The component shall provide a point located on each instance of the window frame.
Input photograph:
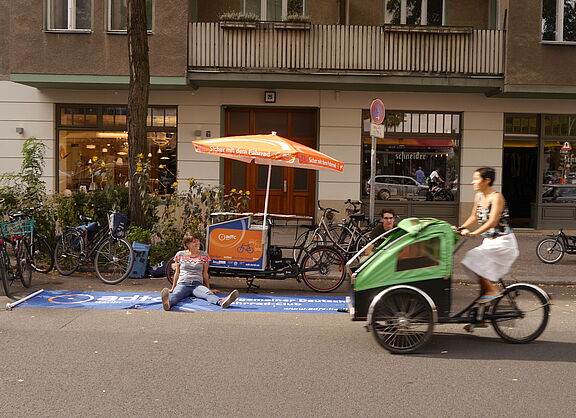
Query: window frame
(559, 26)
(423, 13)
(111, 31)
(264, 9)
(71, 18)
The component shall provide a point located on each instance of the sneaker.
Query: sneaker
(227, 301)
(165, 294)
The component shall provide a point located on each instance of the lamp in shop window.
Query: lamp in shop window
(119, 160)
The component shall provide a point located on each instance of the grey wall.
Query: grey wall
(32, 50)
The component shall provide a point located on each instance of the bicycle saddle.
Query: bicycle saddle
(18, 216)
(86, 218)
(357, 216)
(310, 227)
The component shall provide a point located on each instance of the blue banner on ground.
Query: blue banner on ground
(152, 301)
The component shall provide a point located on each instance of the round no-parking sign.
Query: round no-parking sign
(377, 111)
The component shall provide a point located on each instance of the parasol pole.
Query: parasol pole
(267, 193)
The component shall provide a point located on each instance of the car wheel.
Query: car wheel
(383, 195)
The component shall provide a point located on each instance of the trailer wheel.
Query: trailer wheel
(401, 320)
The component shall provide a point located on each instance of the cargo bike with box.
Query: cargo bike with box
(403, 289)
(241, 247)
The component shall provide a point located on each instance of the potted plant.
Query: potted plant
(238, 20)
(294, 22)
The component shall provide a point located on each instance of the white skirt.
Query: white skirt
(493, 259)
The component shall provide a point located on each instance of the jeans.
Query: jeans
(187, 289)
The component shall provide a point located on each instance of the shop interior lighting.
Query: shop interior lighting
(104, 149)
(91, 146)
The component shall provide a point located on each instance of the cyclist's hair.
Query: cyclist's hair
(387, 210)
(487, 173)
(189, 237)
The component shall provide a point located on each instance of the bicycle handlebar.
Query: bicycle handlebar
(327, 209)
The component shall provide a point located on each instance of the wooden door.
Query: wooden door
(292, 190)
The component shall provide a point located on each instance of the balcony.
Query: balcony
(269, 48)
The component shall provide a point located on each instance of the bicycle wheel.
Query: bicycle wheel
(5, 276)
(170, 270)
(23, 262)
(308, 238)
(521, 315)
(550, 250)
(323, 269)
(67, 254)
(42, 255)
(114, 260)
(361, 241)
(401, 321)
(342, 238)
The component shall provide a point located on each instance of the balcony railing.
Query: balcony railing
(267, 47)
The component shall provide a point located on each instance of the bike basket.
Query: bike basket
(24, 227)
(118, 224)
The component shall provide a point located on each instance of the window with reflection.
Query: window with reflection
(69, 15)
(559, 182)
(414, 145)
(559, 20)
(274, 10)
(93, 147)
(118, 15)
(413, 12)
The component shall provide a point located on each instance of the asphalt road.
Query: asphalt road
(74, 362)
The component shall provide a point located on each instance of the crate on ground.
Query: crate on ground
(141, 252)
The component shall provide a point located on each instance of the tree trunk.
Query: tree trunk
(137, 102)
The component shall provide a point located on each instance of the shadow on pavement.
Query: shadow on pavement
(478, 347)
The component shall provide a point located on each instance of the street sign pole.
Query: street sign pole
(372, 177)
(377, 116)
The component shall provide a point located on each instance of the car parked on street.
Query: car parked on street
(389, 186)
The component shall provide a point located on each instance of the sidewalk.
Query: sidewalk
(526, 269)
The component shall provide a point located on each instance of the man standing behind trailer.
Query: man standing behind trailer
(387, 221)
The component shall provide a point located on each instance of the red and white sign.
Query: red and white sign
(377, 111)
(567, 146)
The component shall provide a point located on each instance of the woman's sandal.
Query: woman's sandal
(470, 327)
(487, 299)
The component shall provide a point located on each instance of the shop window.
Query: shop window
(413, 12)
(72, 15)
(559, 20)
(93, 147)
(521, 125)
(415, 143)
(559, 183)
(274, 10)
(419, 255)
(118, 15)
(559, 125)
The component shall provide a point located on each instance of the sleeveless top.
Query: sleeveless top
(483, 214)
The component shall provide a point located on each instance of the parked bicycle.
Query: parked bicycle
(40, 251)
(550, 250)
(349, 237)
(15, 262)
(112, 255)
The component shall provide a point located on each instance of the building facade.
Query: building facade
(488, 83)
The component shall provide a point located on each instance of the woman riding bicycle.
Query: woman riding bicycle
(494, 257)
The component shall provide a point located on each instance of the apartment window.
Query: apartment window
(118, 15)
(559, 20)
(413, 12)
(69, 15)
(93, 147)
(274, 10)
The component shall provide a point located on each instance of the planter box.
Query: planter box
(234, 24)
(292, 25)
